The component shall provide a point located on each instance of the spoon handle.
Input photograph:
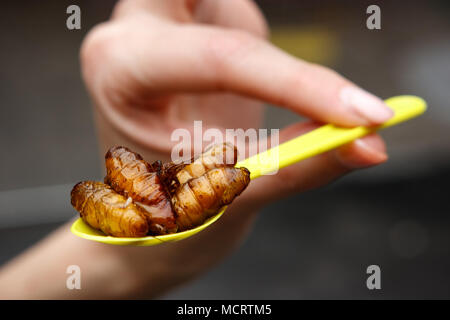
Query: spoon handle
(326, 138)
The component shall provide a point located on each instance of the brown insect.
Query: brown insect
(167, 197)
(130, 175)
(199, 198)
(104, 209)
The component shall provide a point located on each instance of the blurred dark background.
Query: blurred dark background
(314, 245)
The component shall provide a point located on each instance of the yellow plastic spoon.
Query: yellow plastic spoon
(308, 145)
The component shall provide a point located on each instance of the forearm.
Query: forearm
(40, 272)
(114, 272)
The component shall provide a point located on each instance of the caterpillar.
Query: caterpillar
(104, 209)
(130, 175)
(199, 198)
(219, 155)
(168, 197)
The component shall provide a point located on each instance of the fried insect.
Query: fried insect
(217, 156)
(199, 198)
(104, 209)
(138, 198)
(130, 175)
(199, 189)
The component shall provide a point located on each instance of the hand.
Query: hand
(159, 65)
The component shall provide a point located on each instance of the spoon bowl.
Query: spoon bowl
(305, 146)
(83, 230)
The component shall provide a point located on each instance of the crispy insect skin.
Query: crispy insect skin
(199, 189)
(104, 209)
(199, 198)
(166, 198)
(217, 156)
(130, 175)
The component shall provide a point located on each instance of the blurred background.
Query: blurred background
(314, 245)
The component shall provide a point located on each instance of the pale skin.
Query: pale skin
(160, 65)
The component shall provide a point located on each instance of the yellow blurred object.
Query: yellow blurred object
(326, 138)
(81, 229)
(308, 145)
(313, 44)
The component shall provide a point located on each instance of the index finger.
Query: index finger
(205, 58)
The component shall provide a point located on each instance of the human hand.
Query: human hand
(160, 65)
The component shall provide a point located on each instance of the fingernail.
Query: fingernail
(362, 153)
(376, 154)
(366, 105)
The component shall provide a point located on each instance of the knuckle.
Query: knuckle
(121, 8)
(259, 26)
(296, 79)
(96, 48)
(254, 21)
(313, 77)
(224, 49)
(293, 84)
(326, 72)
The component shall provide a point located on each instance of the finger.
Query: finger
(363, 152)
(239, 62)
(238, 14)
(194, 58)
(173, 10)
(314, 172)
